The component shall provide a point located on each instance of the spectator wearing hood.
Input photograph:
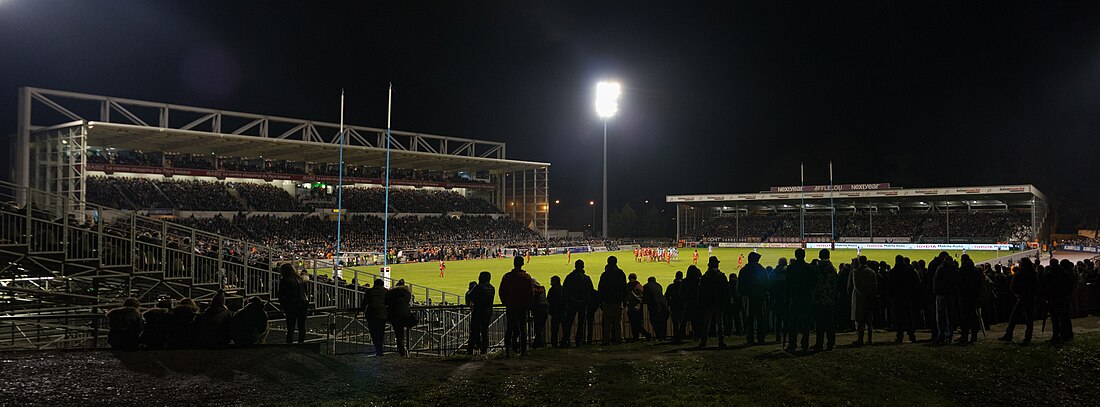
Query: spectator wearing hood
(250, 323)
(125, 325)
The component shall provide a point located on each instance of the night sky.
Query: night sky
(721, 98)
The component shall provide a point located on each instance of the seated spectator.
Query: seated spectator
(250, 323)
(126, 326)
(158, 325)
(212, 327)
(182, 332)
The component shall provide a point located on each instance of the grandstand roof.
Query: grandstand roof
(1011, 195)
(154, 126)
(198, 142)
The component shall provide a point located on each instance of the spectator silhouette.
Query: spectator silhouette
(658, 307)
(213, 325)
(556, 297)
(182, 332)
(250, 323)
(125, 325)
(1025, 286)
(753, 285)
(295, 302)
(398, 311)
(158, 325)
(824, 302)
(714, 294)
(862, 286)
(517, 295)
(675, 301)
(577, 292)
(612, 290)
(481, 304)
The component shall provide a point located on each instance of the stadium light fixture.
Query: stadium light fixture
(557, 201)
(607, 98)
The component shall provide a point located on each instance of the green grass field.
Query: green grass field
(460, 273)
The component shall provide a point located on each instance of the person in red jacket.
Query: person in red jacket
(517, 295)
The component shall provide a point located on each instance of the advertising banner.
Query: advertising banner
(760, 245)
(911, 246)
(222, 174)
(826, 188)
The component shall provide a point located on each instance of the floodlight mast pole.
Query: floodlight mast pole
(386, 218)
(340, 191)
(603, 223)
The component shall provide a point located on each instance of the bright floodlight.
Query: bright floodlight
(607, 98)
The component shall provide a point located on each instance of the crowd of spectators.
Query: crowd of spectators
(261, 165)
(268, 198)
(195, 195)
(315, 237)
(998, 226)
(186, 324)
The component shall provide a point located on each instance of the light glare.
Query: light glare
(607, 98)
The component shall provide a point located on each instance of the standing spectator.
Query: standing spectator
(824, 301)
(541, 312)
(713, 297)
(481, 312)
(577, 293)
(126, 325)
(1025, 285)
(212, 327)
(295, 302)
(734, 315)
(556, 298)
(800, 284)
(753, 285)
(398, 311)
(593, 306)
(945, 284)
(1057, 289)
(658, 307)
(633, 303)
(905, 286)
(969, 288)
(779, 301)
(250, 323)
(676, 305)
(158, 325)
(182, 332)
(517, 295)
(862, 286)
(612, 290)
(693, 312)
(374, 309)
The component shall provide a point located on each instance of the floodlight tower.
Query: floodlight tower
(607, 105)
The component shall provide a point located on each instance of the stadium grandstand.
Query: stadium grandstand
(116, 198)
(865, 213)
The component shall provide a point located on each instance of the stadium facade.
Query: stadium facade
(815, 210)
(56, 129)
